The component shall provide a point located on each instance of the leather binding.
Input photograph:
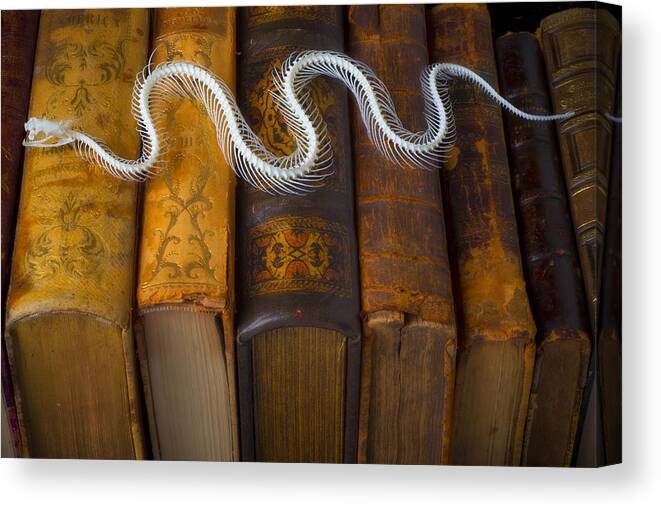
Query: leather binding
(297, 261)
(581, 50)
(550, 257)
(609, 345)
(187, 242)
(69, 335)
(409, 332)
(19, 37)
(495, 327)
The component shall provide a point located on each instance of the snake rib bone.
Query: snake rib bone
(310, 162)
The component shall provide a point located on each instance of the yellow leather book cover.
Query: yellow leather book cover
(76, 228)
(186, 259)
(75, 236)
(186, 246)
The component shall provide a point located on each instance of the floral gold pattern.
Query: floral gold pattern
(186, 245)
(269, 125)
(299, 254)
(69, 246)
(76, 227)
(269, 14)
(185, 204)
(76, 67)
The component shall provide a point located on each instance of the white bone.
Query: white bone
(308, 165)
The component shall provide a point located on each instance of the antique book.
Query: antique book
(9, 448)
(69, 333)
(186, 261)
(495, 328)
(409, 333)
(609, 342)
(590, 450)
(551, 261)
(19, 37)
(298, 324)
(581, 51)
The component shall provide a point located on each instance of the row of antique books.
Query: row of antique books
(468, 314)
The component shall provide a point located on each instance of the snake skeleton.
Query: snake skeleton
(309, 164)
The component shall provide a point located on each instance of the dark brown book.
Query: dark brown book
(550, 258)
(298, 325)
(409, 333)
(19, 36)
(609, 342)
(581, 51)
(495, 327)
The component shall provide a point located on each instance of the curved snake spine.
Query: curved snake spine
(309, 164)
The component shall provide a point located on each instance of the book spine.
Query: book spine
(495, 327)
(581, 49)
(297, 255)
(19, 37)
(75, 236)
(404, 268)
(551, 260)
(610, 326)
(187, 241)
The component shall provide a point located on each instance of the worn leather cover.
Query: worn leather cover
(75, 237)
(297, 255)
(187, 241)
(19, 37)
(495, 327)
(187, 238)
(550, 257)
(609, 344)
(409, 337)
(581, 50)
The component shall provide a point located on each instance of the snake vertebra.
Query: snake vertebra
(309, 164)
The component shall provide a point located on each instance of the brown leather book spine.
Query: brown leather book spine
(550, 257)
(494, 324)
(297, 255)
(409, 337)
(609, 344)
(19, 37)
(581, 50)
(186, 257)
